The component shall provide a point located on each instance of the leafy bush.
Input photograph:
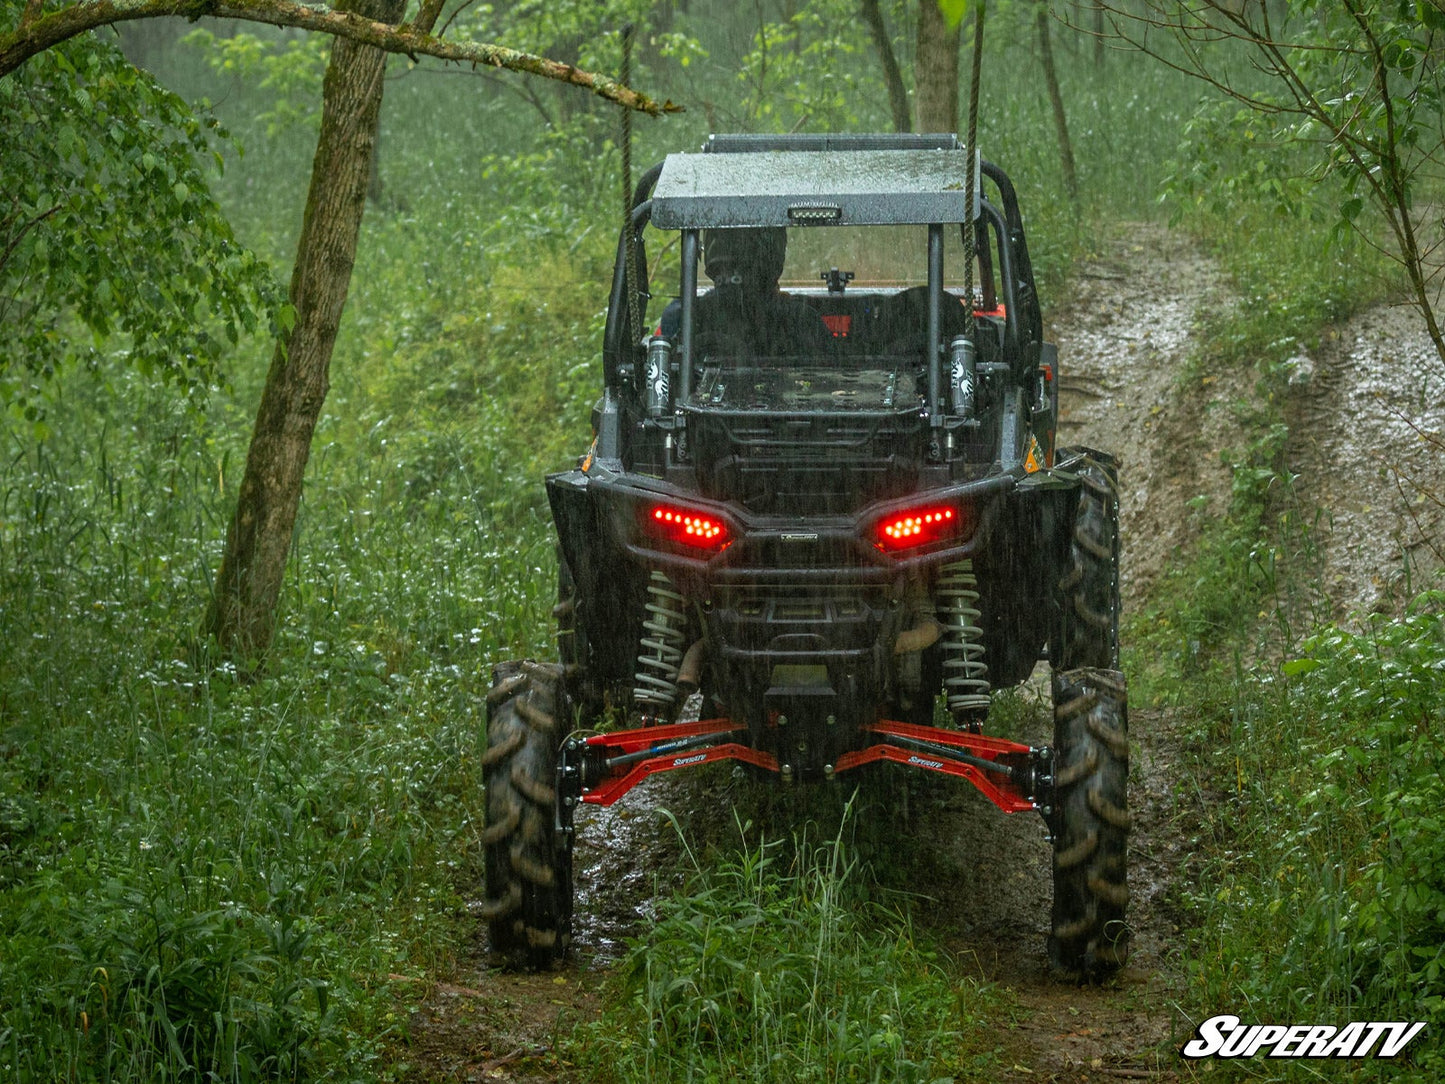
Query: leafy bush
(111, 242)
(1378, 694)
(1326, 893)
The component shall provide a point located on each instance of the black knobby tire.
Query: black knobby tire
(573, 647)
(1089, 588)
(1090, 822)
(528, 904)
(571, 644)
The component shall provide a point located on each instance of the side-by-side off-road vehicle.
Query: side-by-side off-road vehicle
(837, 535)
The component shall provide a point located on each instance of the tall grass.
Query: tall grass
(772, 965)
(215, 878)
(1326, 901)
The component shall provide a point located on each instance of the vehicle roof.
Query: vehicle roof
(846, 182)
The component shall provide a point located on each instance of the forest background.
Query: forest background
(214, 872)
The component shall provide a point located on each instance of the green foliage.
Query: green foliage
(1328, 895)
(1380, 691)
(162, 988)
(110, 242)
(1368, 131)
(770, 967)
(1339, 109)
(811, 70)
(291, 70)
(1228, 158)
(953, 10)
(1318, 890)
(234, 869)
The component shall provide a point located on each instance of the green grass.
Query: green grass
(210, 876)
(777, 963)
(1325, 899)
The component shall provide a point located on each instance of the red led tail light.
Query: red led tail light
(919, 526)
(699, 530)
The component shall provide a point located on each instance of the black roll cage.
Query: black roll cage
(1023, 324)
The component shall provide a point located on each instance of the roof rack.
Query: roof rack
(771, 181)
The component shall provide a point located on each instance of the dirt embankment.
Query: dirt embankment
(1366, 413)
(1358, 405)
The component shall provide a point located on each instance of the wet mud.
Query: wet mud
(1366, 410)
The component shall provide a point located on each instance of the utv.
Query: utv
(832, 546)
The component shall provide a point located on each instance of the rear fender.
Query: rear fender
(1019, 570)
(608, 585)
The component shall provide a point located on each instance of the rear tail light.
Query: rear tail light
(913, 527)
(699, 530)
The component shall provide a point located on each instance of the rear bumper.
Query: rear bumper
(800, 615)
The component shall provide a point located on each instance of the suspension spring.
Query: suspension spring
(659, 655)
(965, 674)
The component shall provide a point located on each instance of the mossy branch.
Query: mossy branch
(35, 35)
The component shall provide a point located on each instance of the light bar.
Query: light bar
(815, 214)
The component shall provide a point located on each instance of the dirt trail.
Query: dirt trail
(1124, 334)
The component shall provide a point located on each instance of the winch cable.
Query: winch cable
(971, 146)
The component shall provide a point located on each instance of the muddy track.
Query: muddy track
(1124, 335)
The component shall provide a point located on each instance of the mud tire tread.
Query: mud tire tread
(528, 904)
(1090, 824)
(583, 689)
(1089, 588)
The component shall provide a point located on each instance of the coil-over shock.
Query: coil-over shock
(659, 655)
(965, 674)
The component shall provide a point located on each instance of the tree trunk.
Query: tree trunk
(897, 92)
(936, 74)
(1056, 100)
(374, 188)
(242, 614)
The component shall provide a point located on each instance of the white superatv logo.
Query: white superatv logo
(1226, 1037)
